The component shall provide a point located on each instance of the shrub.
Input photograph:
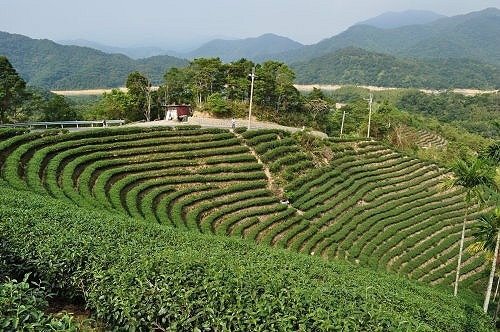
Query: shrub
(22, 309)
(143, 276)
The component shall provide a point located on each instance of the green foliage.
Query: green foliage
(487, 228)
(12, 89)
(237, 79)
(361, 67)
(58, 108)
(203, 77)
(175, 89)
(11, 132)
(22, 309)
(114, 105)
(144, 276)
(206, 77)
(139, 90)
(410, 119)
(492, 153)
(478, 114)
(349, 199)
(473, 175)
(274, 87)
(217, 106)
(45, 64)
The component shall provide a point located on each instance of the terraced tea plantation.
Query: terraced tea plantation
(369, 205)
(428, 139)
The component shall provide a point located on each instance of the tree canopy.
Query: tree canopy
(12, 89)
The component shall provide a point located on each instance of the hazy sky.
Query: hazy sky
(183, 23)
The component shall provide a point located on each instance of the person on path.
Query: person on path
(233, 123)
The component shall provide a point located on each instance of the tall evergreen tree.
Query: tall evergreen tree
(139, 88)
(12, 88)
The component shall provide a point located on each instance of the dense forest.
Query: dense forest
(43, 63)
(358, 66)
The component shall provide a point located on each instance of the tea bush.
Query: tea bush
(141, 276)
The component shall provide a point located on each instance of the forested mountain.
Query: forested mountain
(459, 51)
(47, 64)
(475, 36)
(391, 20)
(249, 48)
(357, 66)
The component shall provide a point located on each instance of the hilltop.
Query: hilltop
(391, 20)
(249, 48)
(473, 36)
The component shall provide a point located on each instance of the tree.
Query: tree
(115, 105)
(316, 107)
(473, 176)
(57, 108)
(274, 86)
(139, 87)
(217, 105)
(177, 87)
(12, 88)
(487, 232)
(206, 76)
(316, 94)
(237, 85)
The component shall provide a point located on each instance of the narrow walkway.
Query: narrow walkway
(270, 182)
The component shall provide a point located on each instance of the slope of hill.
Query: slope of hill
(47, 64)
(369, 204)
(391, 20)
(140, 276)
(131, 52)
(357, 66)
(249, 48)
(474, 35)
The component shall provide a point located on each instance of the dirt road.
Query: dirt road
(223, 123)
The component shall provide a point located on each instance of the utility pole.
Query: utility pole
(252, 75)
(370, 102)
(342, 125)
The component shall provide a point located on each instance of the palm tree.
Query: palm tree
(487, 232)
(473, 176)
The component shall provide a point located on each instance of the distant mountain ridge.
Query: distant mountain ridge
(250, 48)
(437, 49)
(391, 20)
(131, 52)
(474, 35)
(44, 63)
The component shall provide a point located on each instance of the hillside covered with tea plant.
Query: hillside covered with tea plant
(111, 234)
